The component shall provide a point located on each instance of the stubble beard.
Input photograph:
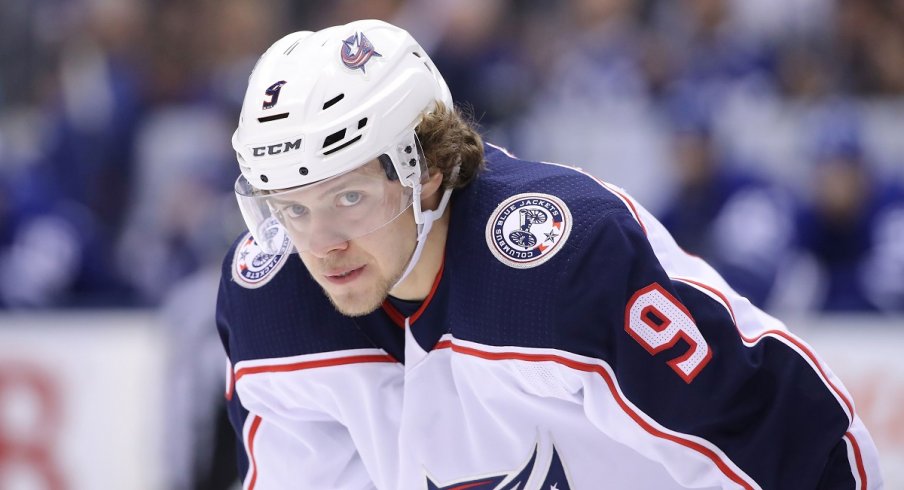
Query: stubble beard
(363, 302)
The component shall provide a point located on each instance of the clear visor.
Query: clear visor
(324, 214)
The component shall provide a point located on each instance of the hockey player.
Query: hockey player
(413, 309)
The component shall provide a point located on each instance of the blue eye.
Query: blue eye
(350, 198)
(295, 210)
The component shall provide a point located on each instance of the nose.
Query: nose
(322, 248)
(323, 237)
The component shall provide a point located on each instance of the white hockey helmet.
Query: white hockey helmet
(321, 105)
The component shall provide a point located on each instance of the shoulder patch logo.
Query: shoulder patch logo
(526, 230)
(252, 267)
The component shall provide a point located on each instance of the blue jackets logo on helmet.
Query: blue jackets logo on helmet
(357, 50)
(528, 229)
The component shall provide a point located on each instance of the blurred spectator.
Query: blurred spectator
(98, 108)
(182, 157)
(594, 108)
(774, 20)
(68, 197)
(57, 259)
(703, 47)
(71, 169)
(482, 58)
(870, 37)
(806, 70)
(731, 217)
(852, 224)
(177, 214)
(239, 30)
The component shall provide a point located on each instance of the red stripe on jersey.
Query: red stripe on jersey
(717, 293)
(393, 313)
(801, 346)
(822, 374)
(297, 366)
(593, 368)
(626, 201)
(230, 381)
(398, 318)
(255, 424)
(439, 275)
(784, 335)
(472, 485)
(281, 368)
(858, 458)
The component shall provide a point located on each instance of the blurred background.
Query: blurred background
(767, 135)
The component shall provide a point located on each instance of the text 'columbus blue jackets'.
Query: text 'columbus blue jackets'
(568, 343)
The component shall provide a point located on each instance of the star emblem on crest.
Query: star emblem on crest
(357, 50)
(551, 236)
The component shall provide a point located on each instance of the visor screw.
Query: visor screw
(408, 149)
(412, 162)
(303, 170)
(264, 178)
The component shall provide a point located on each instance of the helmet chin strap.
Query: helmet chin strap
(424, 220)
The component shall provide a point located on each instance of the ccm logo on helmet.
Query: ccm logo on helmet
(285, 147)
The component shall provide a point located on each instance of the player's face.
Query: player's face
(358, 274)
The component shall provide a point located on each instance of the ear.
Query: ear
(429, 195)
(432, 185)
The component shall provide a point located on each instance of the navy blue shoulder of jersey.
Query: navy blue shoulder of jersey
(556, 304)
(289, 316)
(577, 302)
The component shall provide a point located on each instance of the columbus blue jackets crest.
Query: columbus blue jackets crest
(526, 230)
(252, 267)
(357, 50)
